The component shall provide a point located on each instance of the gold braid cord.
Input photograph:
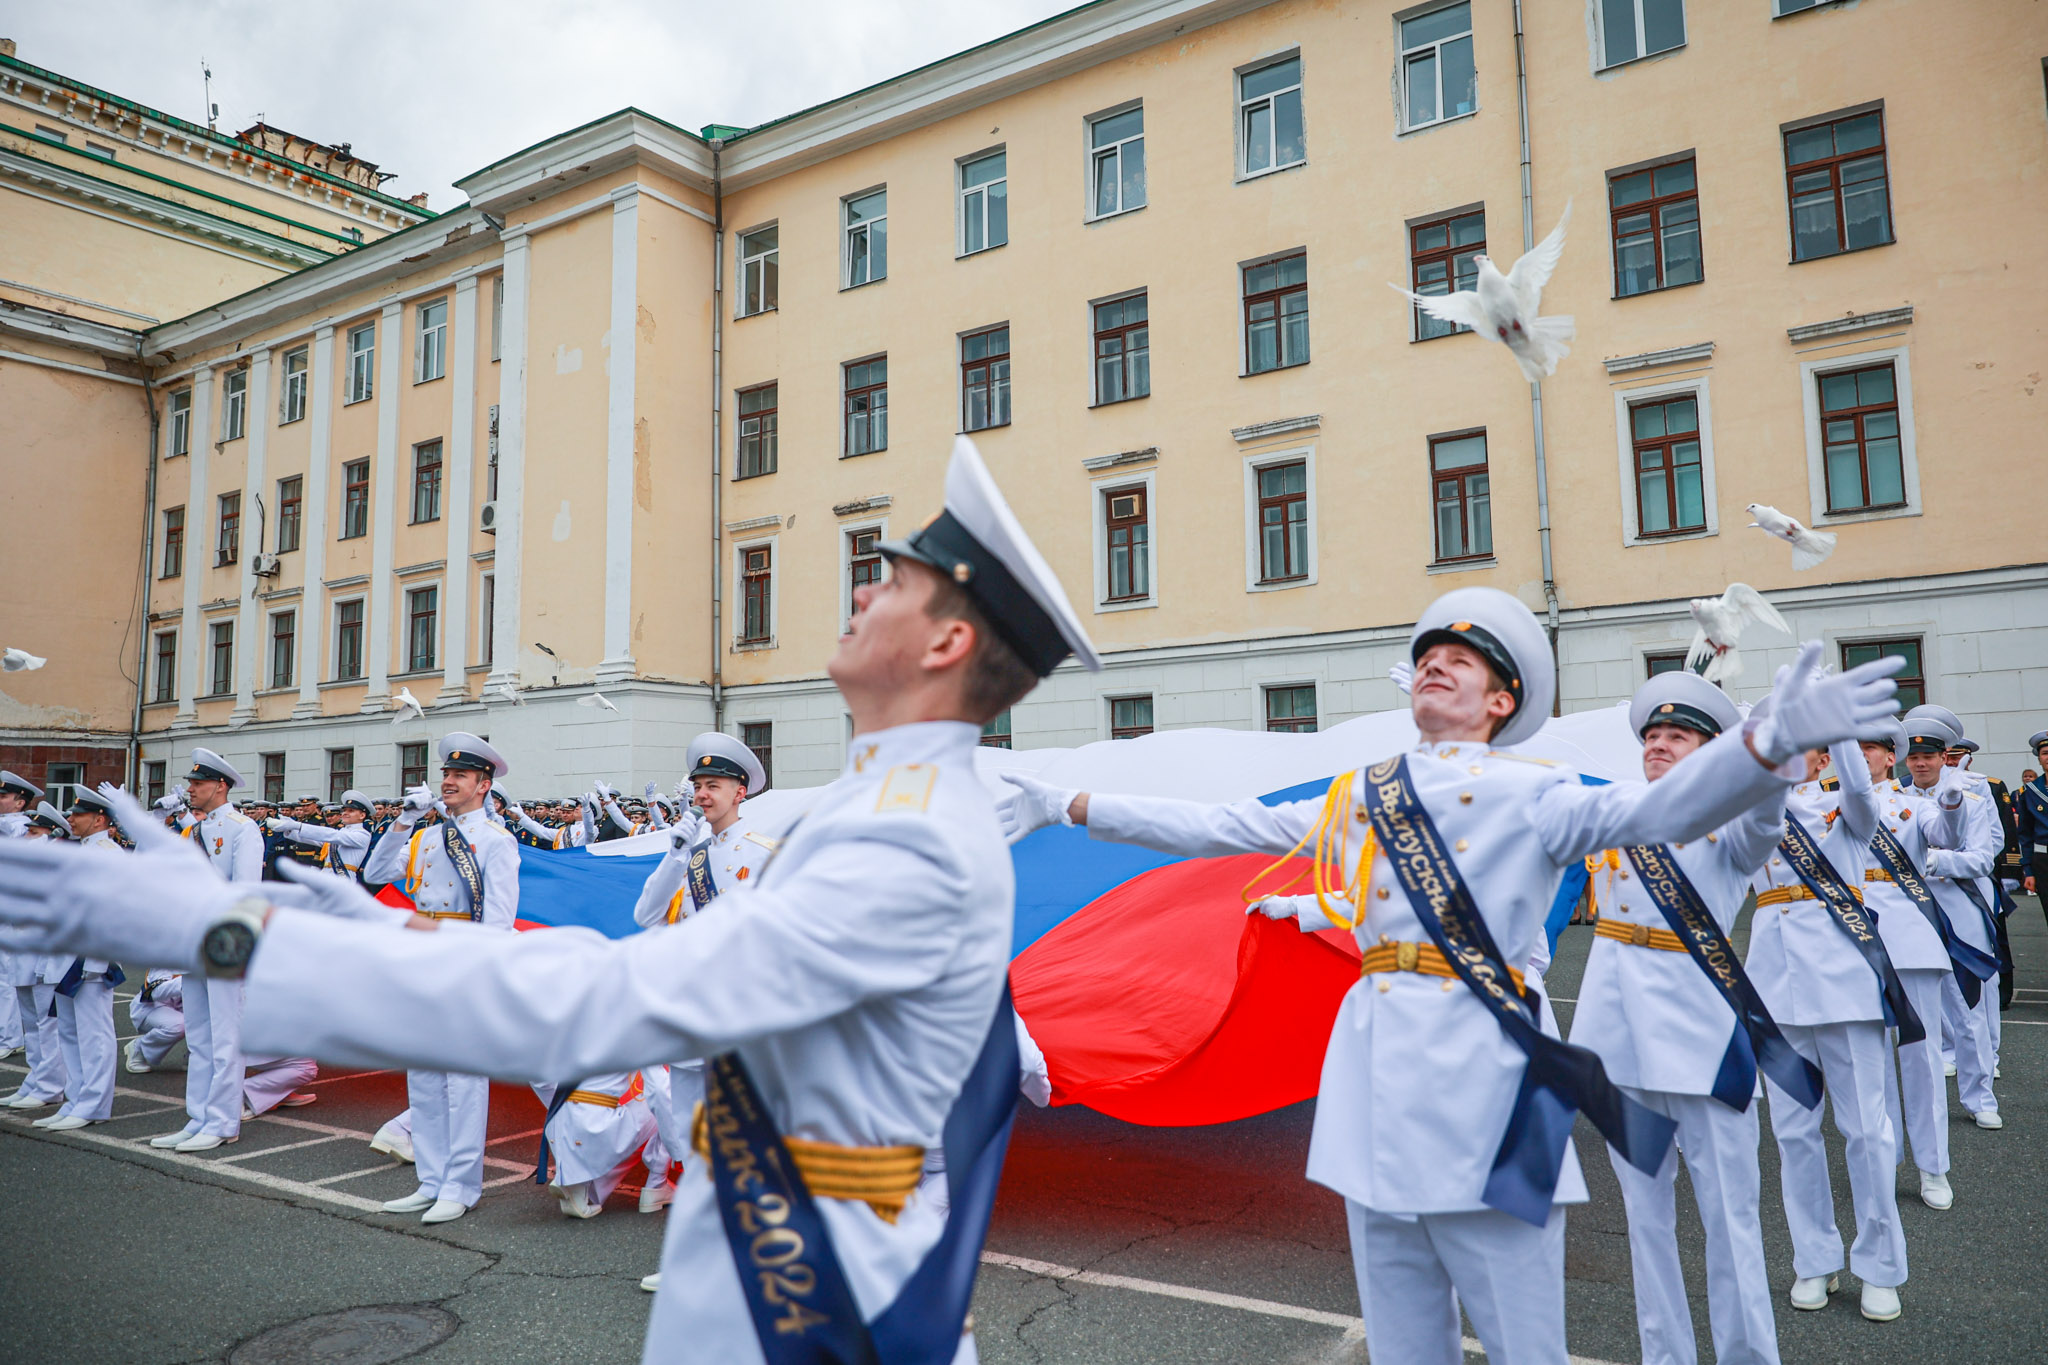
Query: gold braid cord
(1332, 860)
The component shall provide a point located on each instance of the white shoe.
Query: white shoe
(6, 1052)
(136, 1066)
(1997, 1073)
(651, 1283)
(64, 1123)
(1810, 1292)
(415, 1202)
(298, 1099)
(1880, 1303)
(394, 1142)
(654, 1197)
(1948, 1069)
(248, 1113)
(577, 1203)
(204, 1142)
(20, 1101)
(1935, 1192)
(444, 1211)
(173, 1139)
(46, 1120)
(1988, 1118)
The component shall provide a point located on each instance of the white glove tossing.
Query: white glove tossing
(1812, 711)
(1034, 806)
(170, 802)
(419, 800)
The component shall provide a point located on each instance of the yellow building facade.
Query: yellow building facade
(634, 419)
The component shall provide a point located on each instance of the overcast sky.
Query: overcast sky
(435, 89)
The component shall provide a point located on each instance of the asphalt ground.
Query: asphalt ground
(1111, 1243)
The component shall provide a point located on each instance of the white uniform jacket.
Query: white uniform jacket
(1418, 1081)
(231, 841)
(737, 855)
(1656, 1019)
(342, 847)
(557, 836)
(1914, 943)
(1803, 965)
(417, 859)
(1963, 844)
(856, 977)
(56, 965)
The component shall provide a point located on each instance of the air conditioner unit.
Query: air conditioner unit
(264, 566)
(490, 519)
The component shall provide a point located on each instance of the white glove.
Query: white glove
(1812, 711)
(607, 791)
(1274, 907)
(148, 835)
(589, 820)
(419, 800)
(326, 894)
(689, 830)
(1035, 805)
(650, 792)
(1403, 674)
(275, 824)
(152, 907)
(515, 810)
(170, 802)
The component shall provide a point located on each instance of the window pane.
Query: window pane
(1649, 420)
(1692, 506)
(1118, 126)
(1630, 189)
(1809, 144)
(1287, 128)
(999, 214)
(1267, 79)
(1656, 516)
(1845, 478)
(1875, 386)
(867, 206)
(1459, 453)
(1866, 211)
(1133, 158)
(1675, 178)
(1887, 477)
(1450, 533)
(1258, 131)
(1635, 263)
(1479, 513)
(1681, 243)
(878, 249)
(1294, 341)
(1618, 29)
(1106, 200)
(1854, 135)
(1427, 28)
(982, 171)
(1837, 391)
(1434, 237)
(1461, 78)
(974, 228)
(1422, 89)
(1663, 24)
(1813, 224)
(1682, 415)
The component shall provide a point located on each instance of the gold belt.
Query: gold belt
(596, 1097)
(1421, 958)
(880, 1177)
(442, 914)
(1779, 895)
(1877, 874)
(1639, 935)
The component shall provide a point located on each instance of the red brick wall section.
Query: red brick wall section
(33, 761)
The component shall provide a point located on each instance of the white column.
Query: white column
(379, 609)
(455, 504)
(618, 442)
(200, 529)
(256, 420)
(313, 527)
(505, 668)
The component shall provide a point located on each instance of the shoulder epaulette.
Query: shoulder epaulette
(763, 840)
(1831, 784)
(1524, 758)
(907, 789)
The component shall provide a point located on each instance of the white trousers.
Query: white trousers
(673, 1094)
(46, 1077)
(1976, 1045)
(1853, 1058)
(10, 1019)
(449, 1115)
(158, 1028)
(213, 1074)
(1916, 1098)
(267, 1080)
(1414, 1272)
(1720, 1154)
(85, 1033)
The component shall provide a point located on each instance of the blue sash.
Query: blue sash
(1973, 966)
(1561, 1080)
(698, 876)
(1756, 1038)
(74, 977)
(561, 1097)
(462, 858)
(1854, 920)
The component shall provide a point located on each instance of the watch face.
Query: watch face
(228, 947)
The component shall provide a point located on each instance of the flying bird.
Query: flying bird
(408, 707)
(510, 693)
(1720, 622)
(20, 660)
(596, 698)
(1808, 547)
(1504, 307)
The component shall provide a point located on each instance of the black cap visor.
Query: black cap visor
(946, 547)
(1684, 717)
(1485, 645)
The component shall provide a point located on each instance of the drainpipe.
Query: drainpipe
(717, 434)
(1536, 389)
(134, 764)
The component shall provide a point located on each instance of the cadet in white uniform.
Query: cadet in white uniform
(593, 1137)
(83, 990)
(848, 998)
(723, 772)
(450, 1112)
(21, 974)
(1421, 1077)
(342, 845)
(158, 1013)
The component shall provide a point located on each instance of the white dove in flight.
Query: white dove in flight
(408, 707)
(20, 660)
(509, 693)
(1808, 547)
(1503, 308)
(1720, 621)
(596, 698)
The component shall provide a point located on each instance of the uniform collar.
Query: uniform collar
(102, 837)
(732, 831)
(1464, 748)
(927, 741)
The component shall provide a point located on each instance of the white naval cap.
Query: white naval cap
(1890, 732)
(1940, 713)
(20, 786)
(1927, 732)
(2037, 742)
(52, 819)
(1683, 698)
(715, 755)
(1507, 635)
(464, 751)
(352, 797)
(978, 542)
(210, 766)
(86, 801)
(1968, 746)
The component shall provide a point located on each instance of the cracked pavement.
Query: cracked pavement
(117, 1256)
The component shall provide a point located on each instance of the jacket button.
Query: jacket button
(1461, 845)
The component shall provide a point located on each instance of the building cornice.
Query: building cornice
(1855, 322)
(1670, 355)
(629, 137)
(41, 324)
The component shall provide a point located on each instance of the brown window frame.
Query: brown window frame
(166, 666)
(1462, 474)
(155, 778)
(1663, 661)
(1654, 208)
(348, 640)
(291, 501)
(487, 617)
(355, 500)
(1854, 652)
(1292, 572)
(757, 595)
(1137, 546)
(227, 545)
(1123, 348)
(341, 773)
(875, 414)
(1860, 415)
(1447, 255)
(1297, 723)
(997, 732)
(174, 543)
(412, 765)
(1667, 445)
(759, 736)
(1130, 729)
(987, 376)
(1278, 297)
(1833, 164)
(426, 482)
(422, 625)
(765, 421)
(220, 658)
(284, 647)
(273, 778)
(864, 564)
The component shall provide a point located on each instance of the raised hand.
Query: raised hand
(326, 894)
(1035, 805)
(1811, 710)
(419, 800)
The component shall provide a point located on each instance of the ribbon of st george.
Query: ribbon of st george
(804, 1312)
(1561, 1080)
(1803, 853)
(1973, 966)
(1757, 1040)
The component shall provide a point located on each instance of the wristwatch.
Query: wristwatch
(231, 940)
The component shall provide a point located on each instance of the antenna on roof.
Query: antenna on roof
(212, 109)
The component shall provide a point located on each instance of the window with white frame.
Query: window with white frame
(1438, 78)
(486, 618)
(760, 258)
(1124, 574)
(362, 362)
(984, 202)
(291, 398)
(178, 423)
(1639, 28)
(1116, 162)
(1664, 447)
(865, 238)
(1859, 436)
(430, 344)
(1280, 526)
(1269, 128)
(234, 405)
(497, 317)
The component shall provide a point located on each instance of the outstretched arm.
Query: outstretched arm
(1858, 798)
(1715, 785)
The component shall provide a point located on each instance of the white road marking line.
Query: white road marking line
(351, 1076)
(298, 1188)
(351, 1175)
(507, 1179)
(282, 1147)
(514, 1137)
